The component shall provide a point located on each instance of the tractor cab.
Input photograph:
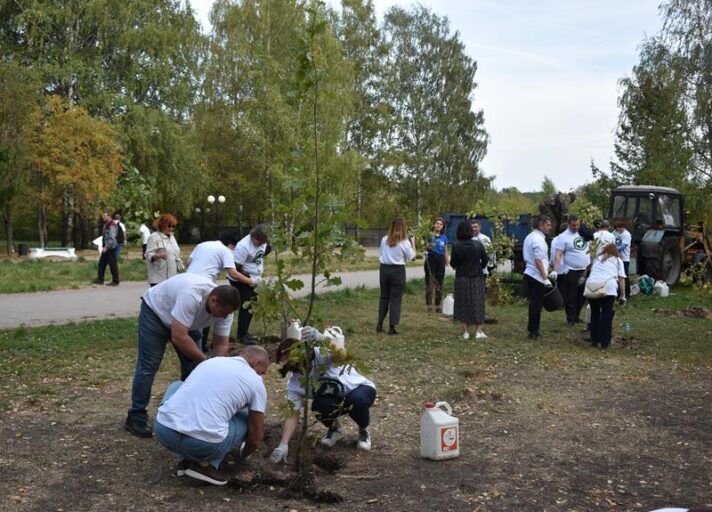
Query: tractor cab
(655, 218)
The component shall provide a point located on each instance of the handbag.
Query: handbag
(595, 289)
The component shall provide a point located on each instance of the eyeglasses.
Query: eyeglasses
(171, 226)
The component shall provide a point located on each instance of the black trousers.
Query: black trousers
(602, 320)
(356, 404)
(244, 315)
(626, 265)
(108, 258)
(535, 294)
(392, 280)
(434, 275)
(572, 293)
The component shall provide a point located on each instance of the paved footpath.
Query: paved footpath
(101, 302)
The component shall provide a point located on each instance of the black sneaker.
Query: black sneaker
(364, 440)
(181, 467)
(333, 435)
(206, 473)
(97, 281)
(137, 426)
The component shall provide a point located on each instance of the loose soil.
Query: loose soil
(578, 439)
(695, 312)
(553, 426)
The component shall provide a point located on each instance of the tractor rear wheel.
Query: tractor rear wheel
(667, 267)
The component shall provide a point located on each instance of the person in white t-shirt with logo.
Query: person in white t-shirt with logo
(249, 255)
(219, 406)
(177, 310)
(623, 241)
(571, 251)
(340, 390)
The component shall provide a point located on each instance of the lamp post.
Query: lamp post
(220, 200)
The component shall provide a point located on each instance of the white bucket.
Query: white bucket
(335, 334)
(439, 432)
(449, 305)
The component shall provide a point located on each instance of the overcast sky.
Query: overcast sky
(548, 75)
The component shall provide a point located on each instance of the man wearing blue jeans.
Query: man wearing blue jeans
(220, 406)
(177, 310)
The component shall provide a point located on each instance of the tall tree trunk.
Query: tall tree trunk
(418, 200)
(68, 217)
(42, 213)
(9, 235)
(359, 204)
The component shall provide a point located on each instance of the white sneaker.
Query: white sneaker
(480, 334)
(466, 335)
(364, 440)
(331, 437)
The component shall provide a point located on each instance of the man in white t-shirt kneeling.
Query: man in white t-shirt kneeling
(219, 406)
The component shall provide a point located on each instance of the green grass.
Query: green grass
(17, 276)
(22, 276)
(301, 265)
(94, 353)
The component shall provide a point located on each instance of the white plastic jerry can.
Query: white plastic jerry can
(336, 335)
(294, 330)
(439, 432)
(449, 305)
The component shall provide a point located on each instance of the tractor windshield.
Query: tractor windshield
(669, 210)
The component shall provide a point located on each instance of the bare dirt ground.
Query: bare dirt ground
(579, 439)
(556, 426)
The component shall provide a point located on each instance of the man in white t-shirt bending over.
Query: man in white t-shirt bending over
(219, 406)
(210, 259)
(213, 257)
(177, 310)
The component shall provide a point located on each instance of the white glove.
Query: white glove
(280, 453)
(256, 280)
(242, 449)
(547, 284)
(553, 275)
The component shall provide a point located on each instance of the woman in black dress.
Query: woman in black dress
(468, 258)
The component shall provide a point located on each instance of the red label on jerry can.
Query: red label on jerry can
(449, 439)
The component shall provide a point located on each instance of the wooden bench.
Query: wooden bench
(60, 252)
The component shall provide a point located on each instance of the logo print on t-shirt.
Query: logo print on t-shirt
(579, 243)
(259, 256)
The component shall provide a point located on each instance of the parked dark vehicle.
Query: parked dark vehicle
(517, 230)
(655, 217)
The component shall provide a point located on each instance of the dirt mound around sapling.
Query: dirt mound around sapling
(693, 312)
(628, 342)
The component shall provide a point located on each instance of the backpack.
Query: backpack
(120, 235)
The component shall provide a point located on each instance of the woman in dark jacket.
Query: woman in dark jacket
(468, 258)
